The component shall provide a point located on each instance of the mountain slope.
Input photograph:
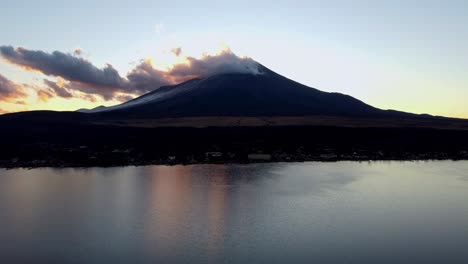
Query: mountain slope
(266, 94)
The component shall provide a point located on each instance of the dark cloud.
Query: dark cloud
(177, 51)
(79, 72)
(64, 65)
(59, 91)
(145, 78)
(10, 91)
(105, 92)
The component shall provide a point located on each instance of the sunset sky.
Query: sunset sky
(65, 55)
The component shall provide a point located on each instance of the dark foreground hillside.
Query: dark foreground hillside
(37, 143)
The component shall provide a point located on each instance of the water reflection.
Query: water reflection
(385, 212)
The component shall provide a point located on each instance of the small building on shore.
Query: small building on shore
(328, 156)
(259, 157)
(213, 155)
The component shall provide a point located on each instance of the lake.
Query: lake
(343, 212)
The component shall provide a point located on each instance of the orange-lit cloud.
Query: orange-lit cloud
(89, 97)
(77, 52)
(44, 96)
(10, 91)
(124, 98)
(19, 97)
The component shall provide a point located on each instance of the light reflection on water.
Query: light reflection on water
(345, 212)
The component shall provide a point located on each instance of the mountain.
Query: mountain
(234, 94)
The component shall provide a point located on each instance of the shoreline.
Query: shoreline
(69, 146)
(35, 164)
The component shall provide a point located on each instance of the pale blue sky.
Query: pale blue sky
(405, 55)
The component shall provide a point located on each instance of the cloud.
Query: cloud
(13, 93)
(105, 92)
(83, 79)
(10, 91)
(64, 65)
(177, 51)
(77, 52)
(58, 90)
(124, 98)
(144, 77)
(224, 62)
(89, 97)
(44, 96)
(80, 72)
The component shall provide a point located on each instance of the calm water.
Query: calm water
(346, 212)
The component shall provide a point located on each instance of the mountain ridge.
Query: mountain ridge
(260, 94)
(240, 94)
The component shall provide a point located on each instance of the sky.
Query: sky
(65, 55)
